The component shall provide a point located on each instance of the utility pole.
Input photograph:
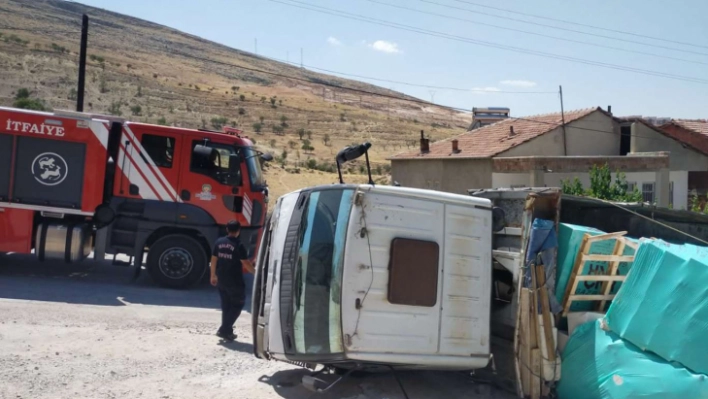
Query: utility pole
(82, 64)
(565, 136)
(432, 96)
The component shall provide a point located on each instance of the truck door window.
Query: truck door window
(160, 149)
(217, 166)
(318, 275)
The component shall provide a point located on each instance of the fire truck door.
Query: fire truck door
(206, 182)
(151, 167)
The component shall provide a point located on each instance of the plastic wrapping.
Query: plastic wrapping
(600, 365)
(663, 304)
(543, 241)
(570, 237)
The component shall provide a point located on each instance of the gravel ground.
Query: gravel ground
(88, 331)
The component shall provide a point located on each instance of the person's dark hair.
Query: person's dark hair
(233, 226)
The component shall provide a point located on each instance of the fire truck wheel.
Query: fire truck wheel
(176, 261)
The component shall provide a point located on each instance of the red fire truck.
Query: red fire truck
(72, 182)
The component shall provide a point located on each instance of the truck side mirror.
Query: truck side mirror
(267, 157)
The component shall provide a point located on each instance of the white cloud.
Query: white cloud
(518, 83)
(486, 89)
(334, 41)
(385, 47)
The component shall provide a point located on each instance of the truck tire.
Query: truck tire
(176, 261)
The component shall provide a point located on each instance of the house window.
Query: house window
(648, 192)
(160, 149)
(413, 272)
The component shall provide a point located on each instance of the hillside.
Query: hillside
(152, 73)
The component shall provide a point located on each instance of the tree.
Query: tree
(263, 99)
(602, 186)
(235, 88)
(301, 133)
(307, 146)
(219, 122)
(241, 111)
(136, 110)
(326, 139)
(272, 101)
(261, 118)
(278, 129)
(242, 97)
(309, 134)
(258, 127)
(312, 163)
(283, 121)
(162, 121)
(23, 100)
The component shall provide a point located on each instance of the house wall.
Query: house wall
(580, 140)
(451, 175)
(678, 178)
(646, 139)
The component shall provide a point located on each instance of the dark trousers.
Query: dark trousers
(232, 301)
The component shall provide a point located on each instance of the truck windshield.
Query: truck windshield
(317, 313)
(255, 174)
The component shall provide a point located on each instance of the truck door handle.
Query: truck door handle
(185, 195)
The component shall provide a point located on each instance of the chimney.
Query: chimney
(455, 146)
(511, 131)
(424, 143)
(609, 109)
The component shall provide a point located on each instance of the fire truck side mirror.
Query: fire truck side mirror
(267, 157)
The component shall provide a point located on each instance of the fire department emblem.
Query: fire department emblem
(206, 194)
(49, 169)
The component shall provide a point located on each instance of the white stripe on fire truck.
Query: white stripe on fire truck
(146, 192)
(247, 208)
(153, 168)
(144, 169)
(100, 131)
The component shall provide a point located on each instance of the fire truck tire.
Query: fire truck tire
(176, 261)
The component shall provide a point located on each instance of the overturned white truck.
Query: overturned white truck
(362, 276)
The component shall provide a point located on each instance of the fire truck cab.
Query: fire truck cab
(72, 182)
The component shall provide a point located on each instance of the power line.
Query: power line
(537, 34)
(412, 84)
(564, 29)
(410, 28)
(581, 24)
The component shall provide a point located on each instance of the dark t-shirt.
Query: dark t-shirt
(229, 252)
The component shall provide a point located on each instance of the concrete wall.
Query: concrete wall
(580, 141)
(451, 175)
(678, 178)
(646, 139)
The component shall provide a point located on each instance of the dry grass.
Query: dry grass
(168, 74)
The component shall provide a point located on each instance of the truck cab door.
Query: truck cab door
(150, 170)
(212, 179)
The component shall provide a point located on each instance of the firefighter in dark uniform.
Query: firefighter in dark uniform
(228, 260)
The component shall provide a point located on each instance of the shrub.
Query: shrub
(242, 111)
(162, 121)
(136, 110)
(219, 122)
(257, 127)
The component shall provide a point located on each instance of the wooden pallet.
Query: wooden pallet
(607, 280)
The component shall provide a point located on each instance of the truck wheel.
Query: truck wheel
(176, 261)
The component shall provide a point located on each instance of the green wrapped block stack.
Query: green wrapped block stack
(663, 304)
(570, 238)
(599, 364)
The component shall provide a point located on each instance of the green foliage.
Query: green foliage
(278, 129)
(272, 101)
(162, 121)
(241, 111)
(258, 127)
(312, 163)
(140, 92)
(602, 186)
(30, 103)
(22, 94)
(219, 122)
(58, 48)
(235, 88)
(301, 133)
(283, 121)
(695, 202)
(242, 97)
(73, 94)
(284, 155)
(307, 145)
(326, 139)
(114, 108)
(263, 99)
(15, 40)
(292, 144)
(97, 58)
(136, 110)
(309, 134)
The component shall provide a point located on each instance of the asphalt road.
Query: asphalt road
(88, 330)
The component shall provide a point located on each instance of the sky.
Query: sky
(466, 45)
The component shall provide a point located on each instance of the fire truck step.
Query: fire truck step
(121, 263)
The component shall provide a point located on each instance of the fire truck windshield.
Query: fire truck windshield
(255, 174)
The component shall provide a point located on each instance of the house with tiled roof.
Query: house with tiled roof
(695, 134)
(543, 150)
